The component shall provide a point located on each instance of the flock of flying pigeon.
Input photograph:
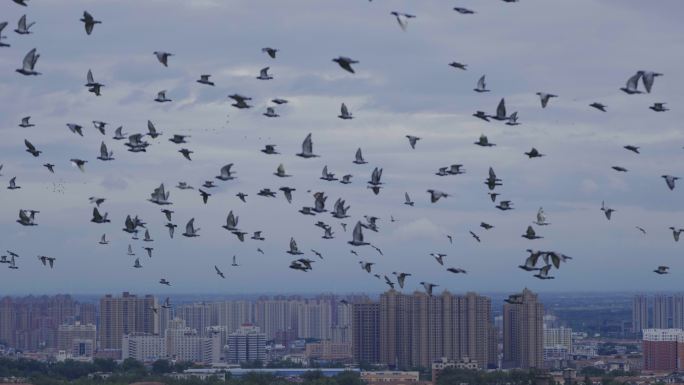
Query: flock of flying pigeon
(539, 262)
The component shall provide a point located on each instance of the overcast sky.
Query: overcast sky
(581, 50)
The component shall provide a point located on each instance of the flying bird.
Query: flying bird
(89, 22)
(345, 63)
(402, 18)
(163, 57)
(29, 63)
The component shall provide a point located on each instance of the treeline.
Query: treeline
(129, 371)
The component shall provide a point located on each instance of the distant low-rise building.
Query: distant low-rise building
(329, 351)
(663, 349)
(464, 363)
(390, 378)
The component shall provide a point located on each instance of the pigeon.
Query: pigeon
(607, 211)
(456, 270)
(160, 196)
(541, 218)
(544, 98)
(500, 111)
(477, 238)
(266, 192)
(387, 281)
(161, 97)
(293, 248)
(366, 265)
(92, 85)
(226, 174)
(178, 139)
(97, 201)
(98, 218)
(270, 113)
(358, 157)
(118, 134)
(27, 218)
(659, 107)
(279, 101)
(346, 179)
(184, 186)
(149, 251)
(544, 273)
(598, 106)
(47, 261)
(25, 122)
(190, 230)
(504, 206)
(643, 231)
(413, 140)
(439, 257)
(2, 27)
(632, 84)
(345, 63)
(103, 240)
(402, 18)
(270, 51)
(163, 57)
(436, 195)
(458, 65)
(29, 63)
(31, 149)
(219, 272)
(619, 168)
(428, 287)
(186, 153)
(204, 79)
(257, 236)
(634, 149)
(137, 264)
(242, 196)
(484, 142)
(280, 172)
(531, 234)
(533, 153)
(647, 77)
(327, 176)
(240, 101)
(464, 11)
(205, 196)
(670, 181)
(130, 250)
(401, 278)
(105, 154)
(163, 281)
(89, 22)
(481, 115)
(662, 270)
(513, 119)
(307, 148)
(481, 85)
(147, 237)
(23, 27)
(287, 191)
(231, 222)
(100, 126)
(234, 264)
(357, 236)
(75, 128)
(79, 163)
(676, 233)
(263, 74)
(269, 149)
(407, 200)
(486, 226)
(344, 113)
(172, 228)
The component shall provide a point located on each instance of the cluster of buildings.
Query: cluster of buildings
(398, 331)
(416, 330)
(659, 311)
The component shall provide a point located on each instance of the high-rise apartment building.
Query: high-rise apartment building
(417, 329)
(366, 332)
(662, 311)
(246, 344)
(127, 314)
(663, 349)
(523, 332)
(639, 314)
